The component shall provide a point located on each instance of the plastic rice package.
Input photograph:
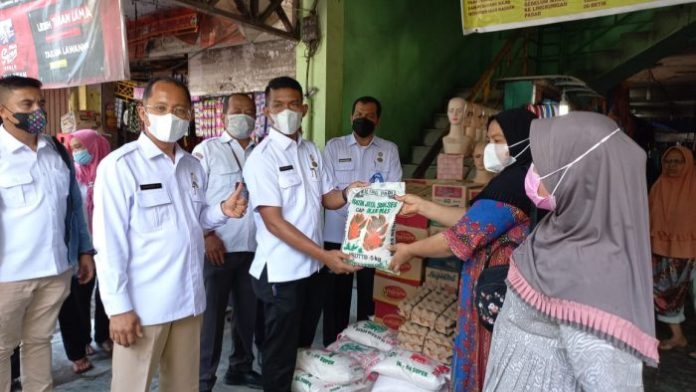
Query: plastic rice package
(370, 226)
(414, 368)
(305, 382)
(371, 334)
(331, 367)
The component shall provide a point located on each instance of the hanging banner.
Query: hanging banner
(480, 16)
(63, 43)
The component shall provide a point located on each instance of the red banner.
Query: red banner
(63, 43)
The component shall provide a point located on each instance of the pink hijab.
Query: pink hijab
(98, 146)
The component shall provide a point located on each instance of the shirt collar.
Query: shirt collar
(12, 144)
(352, 141)
(151, 150)
(283, 141)
(226, 138)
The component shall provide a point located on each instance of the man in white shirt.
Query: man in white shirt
(43, 233)
(150, 213)
(358, 156)
(288, 185)
(229, 250)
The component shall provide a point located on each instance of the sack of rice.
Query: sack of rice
(414, 368)
(334, 368)
(370, 225)
(304, 382)
(371, 334)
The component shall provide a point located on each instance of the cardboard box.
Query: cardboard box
(443, 278)
(408, 235)
(472, 192)
(416, 186)
(454, 194)
(392, 290)
(80, 119)
(418, 221)
(388, 315)
(450, 167)
(412, 272)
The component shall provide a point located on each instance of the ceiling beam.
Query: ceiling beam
(269, 10)
(291, 33)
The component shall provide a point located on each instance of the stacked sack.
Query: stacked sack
(345, 366)
(430, 324)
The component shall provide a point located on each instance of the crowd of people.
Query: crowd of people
(177, 237)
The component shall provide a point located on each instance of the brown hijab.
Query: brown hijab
(672, 210)
(588, 262)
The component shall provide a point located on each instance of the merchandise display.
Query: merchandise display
(333, 367)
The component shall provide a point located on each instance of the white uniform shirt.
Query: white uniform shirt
(149, 217)
(350, 162)
(291, 175)
(217, 156)
(34, 188)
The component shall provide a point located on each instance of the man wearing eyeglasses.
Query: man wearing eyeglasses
(150, 214)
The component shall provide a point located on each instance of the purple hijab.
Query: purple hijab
(588, 262)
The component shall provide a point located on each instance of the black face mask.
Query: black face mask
(363, 127)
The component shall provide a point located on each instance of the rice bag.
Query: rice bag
(333, 368)
(414, 368)
(305, 382)
(370, 225)
(366, 356)
(391, 384)
(371, 334)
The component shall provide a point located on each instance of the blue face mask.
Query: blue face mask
(82, 157)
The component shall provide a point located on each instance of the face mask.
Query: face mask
(33, 123)
(531, 186)
(287, 122)
(363, 127)
(240, 126)
(493, 152)
(82, 157)
(167, 128)
(574, 161)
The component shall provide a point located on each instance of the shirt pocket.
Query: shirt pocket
(345, 172)
(156, 209)
(289, 183)
(15, 189)
(222, 182)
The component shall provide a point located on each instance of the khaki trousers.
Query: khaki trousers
(28, 313)
(173, 347)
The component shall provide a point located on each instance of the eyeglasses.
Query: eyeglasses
(179, 111)
(673, 161)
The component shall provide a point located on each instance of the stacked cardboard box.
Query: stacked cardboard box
(79, 119)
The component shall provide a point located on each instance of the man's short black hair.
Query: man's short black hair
(13, 82)
(282, 82)
(148, 88)
(368, 99)
(226, 101)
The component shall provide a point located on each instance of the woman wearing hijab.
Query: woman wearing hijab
(496, 223)
(673, 239)
(88, 149)
(578, 314)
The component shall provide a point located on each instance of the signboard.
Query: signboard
(63, 43)
(480, 16)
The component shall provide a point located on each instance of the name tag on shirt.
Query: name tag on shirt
(341, 160)
(145, 187)
(285, 168)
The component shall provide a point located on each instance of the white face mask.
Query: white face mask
(287, 121)
(576, 160)
(167, 128)
(240, 126)
(496, 156)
